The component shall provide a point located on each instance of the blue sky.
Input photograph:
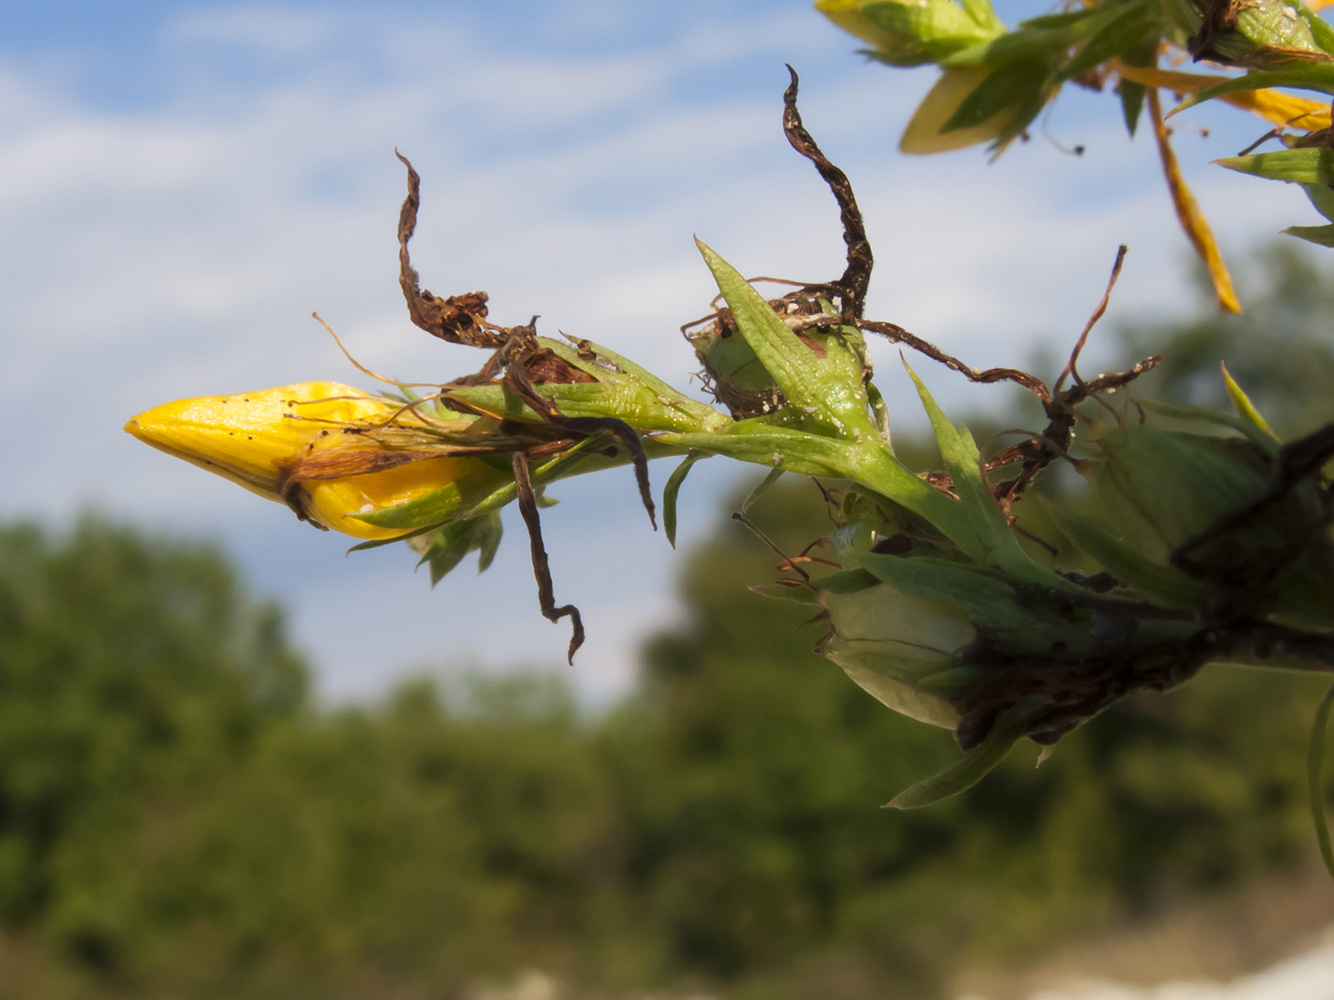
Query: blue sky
(182, 184)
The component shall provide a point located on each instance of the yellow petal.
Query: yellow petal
(1189, 214)
(248, 438)
(923, 133)
(255, 439)
(333, 502)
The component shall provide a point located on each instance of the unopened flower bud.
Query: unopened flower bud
(326, 449)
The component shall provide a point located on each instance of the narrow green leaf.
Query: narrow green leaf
(672, 490)
(1132, 103)
(1124, 32)
(1306, 76)
(995, 542)
(1315, 764)
(1132, 93)
(1004, 734)
(1301, 166)
(489, 542)
(1014, 84)
(987, 601)
(1050, 22)
(1320, 235)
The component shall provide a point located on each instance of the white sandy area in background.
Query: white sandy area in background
(1308, 976)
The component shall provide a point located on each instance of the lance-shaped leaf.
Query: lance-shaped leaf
(992, 542)
(1299, 166)
(988, 601)
(1319, 235)
(671, 491)
(1304, 76)
(1005, 732)
(1273, 106)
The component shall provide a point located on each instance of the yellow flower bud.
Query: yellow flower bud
(315, 446)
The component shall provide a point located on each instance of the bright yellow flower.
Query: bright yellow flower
(318, 447)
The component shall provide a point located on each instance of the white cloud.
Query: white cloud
(272, 30)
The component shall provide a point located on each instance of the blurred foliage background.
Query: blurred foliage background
(179, 818)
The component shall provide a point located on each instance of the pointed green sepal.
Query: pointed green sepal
(672, 490)
(1005, 732)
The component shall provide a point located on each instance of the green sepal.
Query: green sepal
(621, 389)
(446, 547)
(992, 541)
(672, 490)
(1301, 166)
(1320, 235)
(1315, 764)
(823, 393)
(470, 497)
(950, 682)
(1307, 76)
(1005, 732)
(988, 602)
(1157, 580)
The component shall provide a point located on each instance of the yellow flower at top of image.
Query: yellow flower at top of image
(312, 446)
